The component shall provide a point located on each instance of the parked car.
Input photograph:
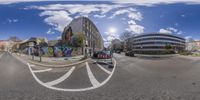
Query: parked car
(118, 51)
(130, 53)
(102, 54)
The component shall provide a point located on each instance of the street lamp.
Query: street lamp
(86, 47)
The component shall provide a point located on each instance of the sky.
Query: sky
(39, 18)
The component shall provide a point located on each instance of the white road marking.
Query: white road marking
(43, 70)
(1, 55)
(105, 70)
(32, 65)
(73, 90)
(91, 76)
(62, 78)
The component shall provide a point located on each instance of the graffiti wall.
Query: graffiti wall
(59, 51)
(56, 51)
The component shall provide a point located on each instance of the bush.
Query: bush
(185, 53)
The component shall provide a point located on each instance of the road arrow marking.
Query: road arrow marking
(91, 76)
(43, 70)
(72, 90)
(62, 78)
(105, 70)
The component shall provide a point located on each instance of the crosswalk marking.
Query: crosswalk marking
(43, 70)
(105, 70)
(94, 82)
(1, 55)
(32, 65)
(91, 76)
(62, 78)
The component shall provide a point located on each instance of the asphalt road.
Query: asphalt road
(173, 78)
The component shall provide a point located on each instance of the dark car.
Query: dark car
(130, 53)
(118, 51)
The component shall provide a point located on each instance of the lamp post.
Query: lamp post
(40, 54)
(86, 47)
(32, 49)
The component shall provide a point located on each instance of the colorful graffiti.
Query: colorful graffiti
(60, 51)
(56, 51)
(73, 39)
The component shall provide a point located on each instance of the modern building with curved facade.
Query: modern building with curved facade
(155, 43)
(83, 27)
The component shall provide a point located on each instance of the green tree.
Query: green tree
(78, 40)
(168, 48)
(2, 47)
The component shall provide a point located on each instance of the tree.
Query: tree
(168, 48)
(125, 35)
(2, 47)
(78, 40)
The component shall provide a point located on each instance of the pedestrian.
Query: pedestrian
(90, 51)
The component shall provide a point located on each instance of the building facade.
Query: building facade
(193, 46)
(82, 33)
(155, 43)
(3, 44)
(32, 45)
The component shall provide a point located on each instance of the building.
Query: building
(7, 45)
(155, 43)
(28, 46)
(83, 34)
(3, 44)
(193, 46)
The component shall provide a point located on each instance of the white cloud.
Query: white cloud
(180, 32)
(50, 31)
(99, 16)
(120, 12)
(135, 16)
(111, 36)
(132, 13)
(165, 31)
(59, 37)
(131, 22)
(12, 20)
(18, 1)
(79, 8)
(170, 30)
(123, 18)
(58, 19)
(59, 15)
(136, 29)
(187, 37)
(156, 2)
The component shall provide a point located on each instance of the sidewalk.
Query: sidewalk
(156, 56)
(52, 61)
(190, 57)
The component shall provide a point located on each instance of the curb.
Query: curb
(59, 66)
(55, 66)
(155, 56)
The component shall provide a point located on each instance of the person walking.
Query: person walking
(90, 52)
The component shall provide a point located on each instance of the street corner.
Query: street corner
(85, 76)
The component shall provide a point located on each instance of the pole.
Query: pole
(40, 54)
(32, 54)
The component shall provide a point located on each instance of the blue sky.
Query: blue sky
(47, 19)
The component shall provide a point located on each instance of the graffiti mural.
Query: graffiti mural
(68, 36)
(50, 51)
